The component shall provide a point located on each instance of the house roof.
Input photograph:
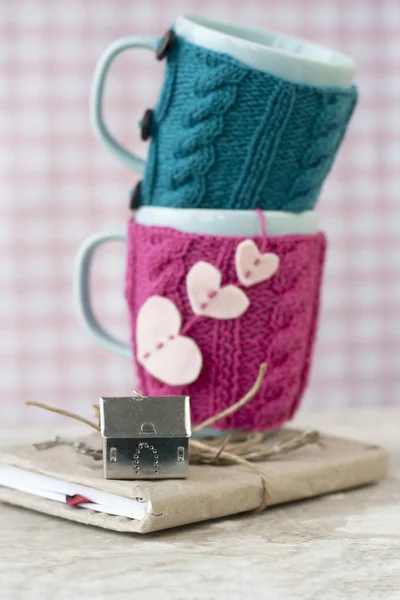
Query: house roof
(124, 417)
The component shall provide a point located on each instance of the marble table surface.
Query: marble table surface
(341, 546)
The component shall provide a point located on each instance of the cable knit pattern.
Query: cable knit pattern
(262, 150)
(215, 91)
(318, 157)
(226, 135)
(278, 327)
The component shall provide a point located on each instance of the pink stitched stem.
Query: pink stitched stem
(188, 325)
(263, 228)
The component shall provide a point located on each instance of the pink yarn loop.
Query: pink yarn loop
(263, 228)
(262, 221)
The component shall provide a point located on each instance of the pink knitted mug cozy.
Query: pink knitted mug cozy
(207, 310)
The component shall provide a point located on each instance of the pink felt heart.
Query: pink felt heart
(172, 358)
(253, 267)
(208, 298)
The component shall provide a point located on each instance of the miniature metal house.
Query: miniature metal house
(145, 437)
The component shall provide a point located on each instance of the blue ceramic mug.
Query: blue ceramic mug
(245, 119)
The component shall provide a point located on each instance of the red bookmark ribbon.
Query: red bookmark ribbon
(76, 500)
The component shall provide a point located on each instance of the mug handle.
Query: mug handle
(96, 101)
(82, 294)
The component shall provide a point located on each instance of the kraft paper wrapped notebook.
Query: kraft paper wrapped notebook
(48, 480)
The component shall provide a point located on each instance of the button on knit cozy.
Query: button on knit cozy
(278, 326)
(225, 135)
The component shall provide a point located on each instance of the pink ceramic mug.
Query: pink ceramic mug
(207, 310)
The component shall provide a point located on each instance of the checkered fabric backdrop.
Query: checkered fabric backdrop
(58, 185)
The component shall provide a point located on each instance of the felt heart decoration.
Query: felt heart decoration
(208, 298)
(253, 267)
(171, 358)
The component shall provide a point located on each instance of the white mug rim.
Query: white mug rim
(197, 220)
(339, 72)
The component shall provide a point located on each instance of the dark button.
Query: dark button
(146, 124)
(165, 44)
(135, 195)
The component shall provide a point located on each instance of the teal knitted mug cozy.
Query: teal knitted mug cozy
(224, 135)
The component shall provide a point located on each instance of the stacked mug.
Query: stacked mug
(225, 256)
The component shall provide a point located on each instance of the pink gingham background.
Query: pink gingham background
(59, 185)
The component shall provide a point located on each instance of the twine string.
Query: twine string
(205, 455)
(65, 413)
(235, 407)
(224, 413)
